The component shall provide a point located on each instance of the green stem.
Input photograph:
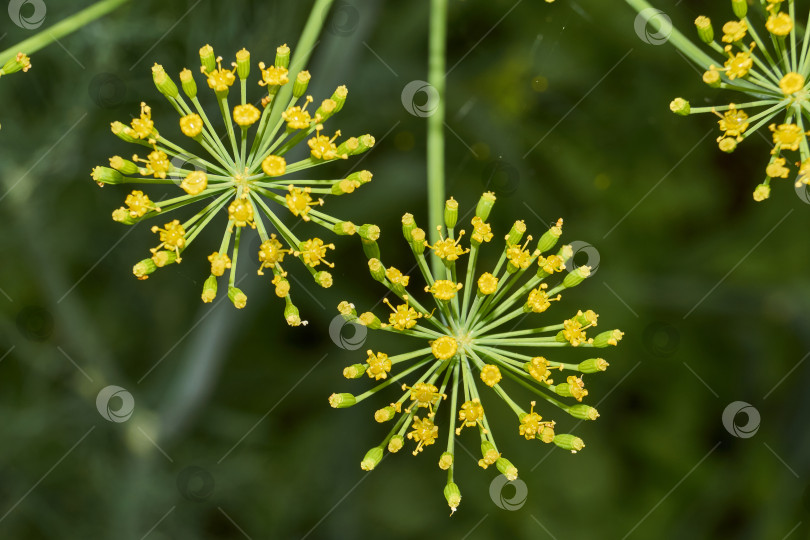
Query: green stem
(677, 39)
(303, 50)
(61, 29)
(435, 129)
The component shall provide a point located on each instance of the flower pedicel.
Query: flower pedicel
(239, 178)
(462, 340)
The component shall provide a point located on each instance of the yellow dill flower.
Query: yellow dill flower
(444, 289)
(378, 365)
(403, 316)
(424, 433)
(734, 31)
(242, 173)
(469, 347)
(767, 71)
(739, 64)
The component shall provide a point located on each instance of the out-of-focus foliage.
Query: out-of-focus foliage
(709, 286)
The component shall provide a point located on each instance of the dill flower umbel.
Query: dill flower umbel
(769, 71)
(246, 178)
(462, 343)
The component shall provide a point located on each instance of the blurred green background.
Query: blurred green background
(561, 110)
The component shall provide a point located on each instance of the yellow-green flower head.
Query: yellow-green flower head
(475, 333)
(241, 174)
(767, 64)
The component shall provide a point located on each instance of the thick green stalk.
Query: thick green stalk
(60, 29)
(435, 134)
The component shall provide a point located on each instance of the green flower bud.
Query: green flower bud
(323, 278)
(339, 97)
(576, 277)
(209, 289)
(489, 454)
(377, 269)
(563, 389)
(396, 443)
(326, 110)
(369, 232)
(569, 442)
(593, 365)
(20, 62)
(188, 83)
(123, 132)
(370, 248)
(451, 213)
(550, 237)
(704, 29)
(238, 298)
(446, 461)
(680, 107)
(408, 225)
(243, 64)
(370, 320)
(123, 166)
(282, 56)
(565, 253)
(106, 175)
(291, 314)
(485, 204)
(588, 318)
(453, 496)
(364, 143)
(611, 337)
(347, 310)
(143, 268)
(507, 469)
(372, 459)
(417, 241)
(386, 413)
(163, 82)
(344, 228)
(301, 83)
(583, 412)
(207, 58)
(516, 233)
(164, 258)
(762, 192)
(341, 401)
(355, 371)
(728, 144)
